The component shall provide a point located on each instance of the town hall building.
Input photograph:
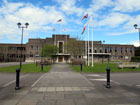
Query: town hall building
(32, 50)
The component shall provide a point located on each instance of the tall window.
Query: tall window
(37, 47)
(121, 50)
(116, 49)
(110, 49)
(60, 47)
(131, 49)
(31, 47)
(100, 50)
(126, 50)
(105, 50)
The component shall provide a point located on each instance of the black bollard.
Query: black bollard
(17, 78)
(42, 67)
(81, 67)
(108, 77)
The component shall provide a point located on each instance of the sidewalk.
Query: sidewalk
(62, 86)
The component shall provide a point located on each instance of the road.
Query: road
(122, 78)
(7, 82)
(11, 64)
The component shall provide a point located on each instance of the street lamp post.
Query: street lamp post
(19, 26)
(136, 27)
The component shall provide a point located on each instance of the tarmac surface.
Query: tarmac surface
(62, 86)
(11, 64)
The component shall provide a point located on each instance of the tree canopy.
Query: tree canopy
(49, 51)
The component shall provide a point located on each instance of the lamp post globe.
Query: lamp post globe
(135, 25)
(26, 24)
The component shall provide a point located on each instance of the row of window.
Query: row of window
(15, 56)
(32, 47)
(16, 48)
(110, 50)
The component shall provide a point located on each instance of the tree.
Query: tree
(74, 47)
(3, 51)
(49, 51)
(137, 51)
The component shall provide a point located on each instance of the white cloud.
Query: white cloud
(69, 7)
(100, 4)
(135, 43)
(39, 19)
(127, 5)
(114, 19)
(121, 33)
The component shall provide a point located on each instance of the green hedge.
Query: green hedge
(135, 59)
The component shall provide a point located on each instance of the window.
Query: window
(105, 50)
(37, 47)
(100, 50)
(31, 55)
(95, 51)
(131, 50)
(126, 50)
(90, 50)
(121, 49)
(31, 47)
(116, 49)
(60, 47)
(110, 49)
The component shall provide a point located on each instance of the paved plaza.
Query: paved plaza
(62, 86)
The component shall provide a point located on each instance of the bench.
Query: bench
(128, 65)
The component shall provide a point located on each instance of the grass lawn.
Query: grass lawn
(99, 67)
(25, 68)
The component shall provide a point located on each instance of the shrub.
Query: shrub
(78, 61)
(135, 59)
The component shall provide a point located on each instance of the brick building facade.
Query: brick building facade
(32, 49)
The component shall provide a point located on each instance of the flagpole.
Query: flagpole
(88, 42)
(86, 48)
(92, 44)
(55, 39)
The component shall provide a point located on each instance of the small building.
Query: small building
(12, 52)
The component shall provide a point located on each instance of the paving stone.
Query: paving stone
(50, 89)
(34, 88)
(54, 96)
(85, 89)
(76, 89)
(89, 101)
(130, 94)
(65, 102)
(46, 102)
(93, 95)
(80, 102)
(67, 88)
(9, 102)
(24, 92)
(42, 89)
(28, 102)
(74, 96)
(33, 96)
(59, 89)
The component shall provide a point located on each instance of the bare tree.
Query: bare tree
(74, 46)
(3, 51)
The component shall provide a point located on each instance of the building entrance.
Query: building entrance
(60, 59)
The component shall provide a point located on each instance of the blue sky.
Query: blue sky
(113, 20)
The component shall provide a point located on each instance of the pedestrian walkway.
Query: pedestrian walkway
(62, 86)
